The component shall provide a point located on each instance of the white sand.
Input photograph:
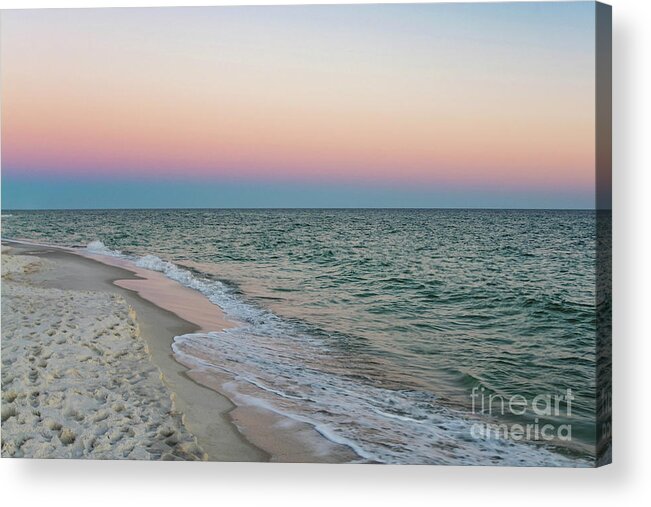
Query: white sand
(77, 379)
(46, 289)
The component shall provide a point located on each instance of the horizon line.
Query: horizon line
(309, 208)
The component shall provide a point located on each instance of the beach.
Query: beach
(346, 336)
(77, 380)
(309, 243)
(89, 371)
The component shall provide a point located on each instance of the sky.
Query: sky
(440, 105)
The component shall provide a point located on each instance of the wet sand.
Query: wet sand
(165, 309)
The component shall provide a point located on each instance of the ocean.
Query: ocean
(387, 329)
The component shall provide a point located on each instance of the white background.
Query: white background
(627, 481)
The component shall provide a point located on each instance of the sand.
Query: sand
(151, 310)
(77, 380)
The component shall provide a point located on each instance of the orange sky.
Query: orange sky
(415, 94)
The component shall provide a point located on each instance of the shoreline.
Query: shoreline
(261, 429)
(165, 309)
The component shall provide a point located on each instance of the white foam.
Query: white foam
(99, 248)
(378, 424)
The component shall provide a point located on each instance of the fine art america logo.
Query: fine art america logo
(542, 407)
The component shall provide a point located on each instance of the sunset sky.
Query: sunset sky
(448, 105)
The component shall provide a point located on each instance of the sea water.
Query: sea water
(391, 331)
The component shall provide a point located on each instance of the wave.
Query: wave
(291, 376)
(97, 247)
(280, 366)
(216, 291)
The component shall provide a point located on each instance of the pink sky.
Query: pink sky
(387, 96)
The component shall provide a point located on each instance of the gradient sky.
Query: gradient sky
(448, 105)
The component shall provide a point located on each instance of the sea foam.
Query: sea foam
(276, 365)
(98, 248)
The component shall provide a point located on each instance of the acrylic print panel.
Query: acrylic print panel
(341, 234)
